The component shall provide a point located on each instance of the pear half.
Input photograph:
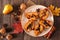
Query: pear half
(7, 8)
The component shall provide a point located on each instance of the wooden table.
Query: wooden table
(24, 36)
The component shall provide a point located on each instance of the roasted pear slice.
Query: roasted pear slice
(49, 22)
(44, 14)
(36, 32)
(28, 15)
(28, 25)
(41, 28)
(36, 25)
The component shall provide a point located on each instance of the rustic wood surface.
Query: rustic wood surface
(24, 36)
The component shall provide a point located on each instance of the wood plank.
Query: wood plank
(1, 17)
(32, 2)
(58, 3)
(16, 3)
(45, 2)
(27, 37)
(49, 2)
(57, 25)
(6, 18)
(0, 6)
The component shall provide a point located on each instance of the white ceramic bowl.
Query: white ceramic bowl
(33, 9)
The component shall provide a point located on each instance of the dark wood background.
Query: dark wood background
(24, 36)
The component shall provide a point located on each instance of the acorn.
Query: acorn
(23, 6)
(9, 37)
(2, 31)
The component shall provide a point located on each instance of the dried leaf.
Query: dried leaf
(55, 11)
